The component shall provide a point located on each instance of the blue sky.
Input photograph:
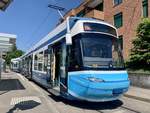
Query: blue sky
(31, 20)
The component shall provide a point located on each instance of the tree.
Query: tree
(140, 53)
(14, 53)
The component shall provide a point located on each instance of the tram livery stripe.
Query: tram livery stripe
(50, 40)
(97, 72)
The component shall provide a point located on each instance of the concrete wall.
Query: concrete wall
(140, 80)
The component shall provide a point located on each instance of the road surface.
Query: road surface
(19, 95)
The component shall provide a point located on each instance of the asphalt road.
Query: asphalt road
(19, 95)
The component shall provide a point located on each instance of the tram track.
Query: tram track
(122, 108)
(130, 109)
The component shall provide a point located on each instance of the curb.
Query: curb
(137, 98)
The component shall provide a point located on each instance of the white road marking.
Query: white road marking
(41, 94)
(23, 100)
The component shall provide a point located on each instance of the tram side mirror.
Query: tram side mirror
(68, 39)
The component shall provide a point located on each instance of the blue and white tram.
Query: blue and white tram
(15, 64)
(80, 59)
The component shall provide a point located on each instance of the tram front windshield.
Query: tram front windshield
(101, 51)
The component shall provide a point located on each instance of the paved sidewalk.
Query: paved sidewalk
(17, 94)
(138, 93)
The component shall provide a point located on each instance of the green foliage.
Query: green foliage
(140, 53)
(14, 53)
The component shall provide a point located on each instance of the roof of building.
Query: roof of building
(8, 35)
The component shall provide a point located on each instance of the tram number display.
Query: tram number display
(99, 28)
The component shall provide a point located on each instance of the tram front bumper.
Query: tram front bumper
(84, 89)
(97, 94)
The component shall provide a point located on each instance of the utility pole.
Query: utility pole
(58, 8)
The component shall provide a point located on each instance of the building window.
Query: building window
(145, 8)
(118, 20)
(120, 41)
(99, 7)
(81, 13)
(117, 2)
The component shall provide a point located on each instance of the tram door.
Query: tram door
(30, 67)
(58, 67)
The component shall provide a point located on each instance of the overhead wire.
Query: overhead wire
(36, 31)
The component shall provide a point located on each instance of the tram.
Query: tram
(80, 59)
(15, 64)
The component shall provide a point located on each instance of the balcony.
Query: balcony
(95, 14)
(93, 3)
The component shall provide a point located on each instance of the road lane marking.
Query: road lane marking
(24, 100)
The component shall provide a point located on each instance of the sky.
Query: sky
(31, 20)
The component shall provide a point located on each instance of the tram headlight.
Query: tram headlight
(93, 79)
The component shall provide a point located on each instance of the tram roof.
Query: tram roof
(59, 29)
(15, 59)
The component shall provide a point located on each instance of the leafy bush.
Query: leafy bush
(140, 53)
(14, 53)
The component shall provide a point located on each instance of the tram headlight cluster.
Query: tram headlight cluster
(93, 79)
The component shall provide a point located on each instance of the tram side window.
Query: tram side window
(74, 59)
(35, 62)
(45, 60)
(40, 61)
(15, 65)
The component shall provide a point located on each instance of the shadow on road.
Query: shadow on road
(89, 105)
(24, 105)
(10, 84)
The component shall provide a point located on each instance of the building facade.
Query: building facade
(125, 15)
(6, 42)
(89, 8)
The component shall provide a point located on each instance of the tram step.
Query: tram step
(54, 92)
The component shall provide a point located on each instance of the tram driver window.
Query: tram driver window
(74, 58)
